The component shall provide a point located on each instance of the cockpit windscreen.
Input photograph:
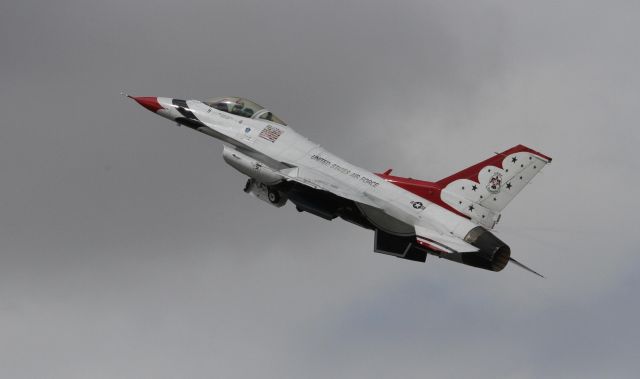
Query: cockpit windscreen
(242, 107)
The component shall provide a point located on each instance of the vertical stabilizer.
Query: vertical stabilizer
(483, 190)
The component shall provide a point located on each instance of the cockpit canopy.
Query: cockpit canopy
(243, 107)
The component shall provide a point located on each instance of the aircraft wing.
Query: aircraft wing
(318, 180)
(258, 165)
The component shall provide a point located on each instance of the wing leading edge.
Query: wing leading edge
(317, 180)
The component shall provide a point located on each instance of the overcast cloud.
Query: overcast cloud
(128, 249)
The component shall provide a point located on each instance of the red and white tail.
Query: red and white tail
(483, 190)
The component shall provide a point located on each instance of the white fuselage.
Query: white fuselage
(291, 149)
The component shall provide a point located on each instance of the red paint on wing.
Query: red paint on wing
(430, 246)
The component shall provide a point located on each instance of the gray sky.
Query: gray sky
(128, 249)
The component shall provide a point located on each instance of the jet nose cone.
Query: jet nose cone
(149, 102)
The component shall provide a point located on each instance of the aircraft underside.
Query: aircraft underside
(398, 244)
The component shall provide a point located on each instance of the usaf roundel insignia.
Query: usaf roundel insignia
(417, 205)
(494, 183)
(247, 130)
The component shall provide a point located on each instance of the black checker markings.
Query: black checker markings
(183, 108)
(189, 119)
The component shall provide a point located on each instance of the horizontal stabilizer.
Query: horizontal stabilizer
(442, 242)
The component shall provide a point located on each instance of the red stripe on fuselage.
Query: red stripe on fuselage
(431, 190)
(426, 190)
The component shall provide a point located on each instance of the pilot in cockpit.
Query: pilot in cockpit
(238, 106)
(243, 107)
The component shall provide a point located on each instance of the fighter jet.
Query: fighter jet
(450, 218)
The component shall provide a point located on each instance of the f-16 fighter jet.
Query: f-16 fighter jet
(450, 218)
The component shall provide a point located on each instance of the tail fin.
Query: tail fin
(483, 190)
